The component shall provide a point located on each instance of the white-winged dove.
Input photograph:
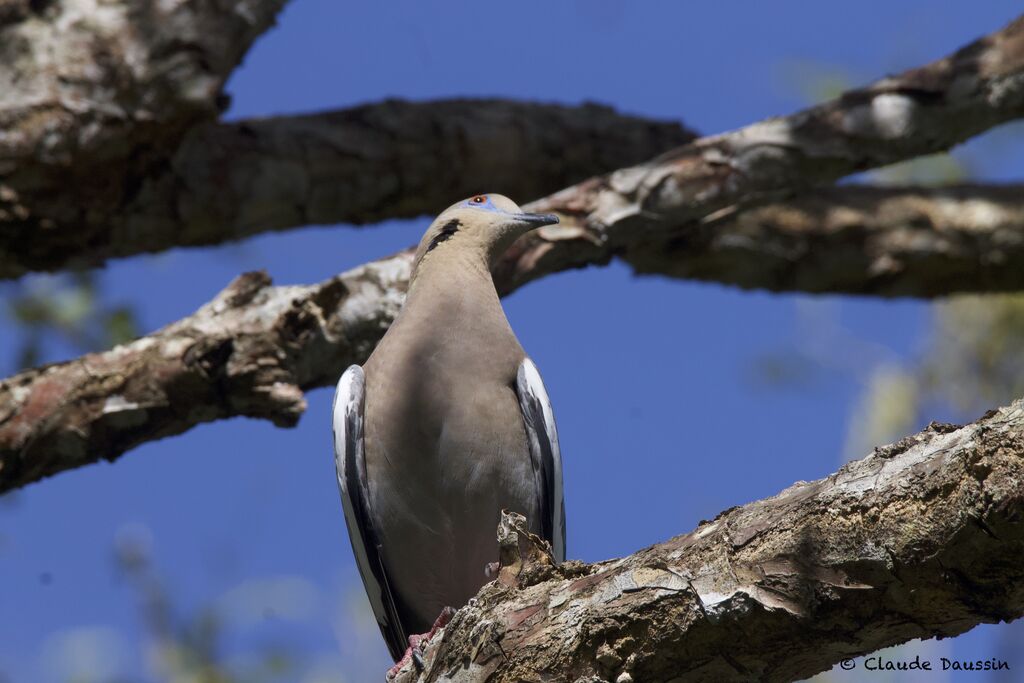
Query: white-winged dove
(446, 424)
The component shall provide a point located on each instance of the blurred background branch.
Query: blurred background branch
(394, 159)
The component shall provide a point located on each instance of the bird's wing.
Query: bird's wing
(350, 463)
(547, 460)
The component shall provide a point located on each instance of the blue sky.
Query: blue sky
(653, 382)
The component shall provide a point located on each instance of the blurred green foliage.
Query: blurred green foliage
(70, 307)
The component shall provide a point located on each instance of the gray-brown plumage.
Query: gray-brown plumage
(444, 426)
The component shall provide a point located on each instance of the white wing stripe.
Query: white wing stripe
(532, 395)
(348, 453)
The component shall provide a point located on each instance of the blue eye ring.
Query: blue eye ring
(480, 201)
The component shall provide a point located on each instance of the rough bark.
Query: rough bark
(921, 111)
(395, 159)
(303, 170)
(249, 352)
(920, 539)
(920, 242)
(254, 349)
(94, 96)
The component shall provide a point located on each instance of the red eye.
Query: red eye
(479, 199)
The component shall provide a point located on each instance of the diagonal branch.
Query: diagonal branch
(855, 239)
(921, 111)
(920, 539)
(395, 159)
(283, 173)
(255, 348)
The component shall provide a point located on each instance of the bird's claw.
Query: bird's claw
(414, 653)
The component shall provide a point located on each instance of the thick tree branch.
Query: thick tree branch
(921, 111)
(289, 172)
(95, 95)
(919, 539)
(898, 241)
(850, 239)
(395, 159)
(250, 352)
(255, 348)
(91, 76)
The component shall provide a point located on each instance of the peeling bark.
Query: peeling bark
(255, 348)
(920, 539)
(251, 351)
(395, 159)
(91, 76)
(920, 242)
(126, 189)
(921, 111)
(95, 95)
(254, 356)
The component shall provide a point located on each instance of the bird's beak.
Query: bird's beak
(536, 220)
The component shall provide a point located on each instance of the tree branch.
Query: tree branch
(394, 159)
(255, 348)
(848, 239)
(855, 239)
(84, 77)
(95, 96)
(920, 539)
(247, 352)
(921, 111)
(283, 173)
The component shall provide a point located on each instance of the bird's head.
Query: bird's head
(485, 224)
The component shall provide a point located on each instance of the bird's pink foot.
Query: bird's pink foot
(417, 643)
(401, 664)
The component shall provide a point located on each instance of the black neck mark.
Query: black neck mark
(449, 229)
